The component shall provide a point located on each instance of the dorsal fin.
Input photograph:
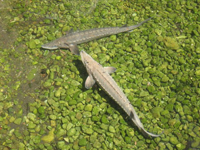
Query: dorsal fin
(70, 31)
(124, 26)
(110, 70)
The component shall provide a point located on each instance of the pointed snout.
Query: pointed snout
(83, 53)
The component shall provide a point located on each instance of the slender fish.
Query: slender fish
(101, 75)
(71, 39)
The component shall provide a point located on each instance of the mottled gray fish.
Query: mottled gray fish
(71, 39)
(101, 75)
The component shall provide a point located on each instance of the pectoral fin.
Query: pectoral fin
(89, 82)
(74, 49)
(110, 70)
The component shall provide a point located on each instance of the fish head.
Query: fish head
(56, 44)
(86, 59)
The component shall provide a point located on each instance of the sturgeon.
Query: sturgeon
(101, 75)
(71, 39)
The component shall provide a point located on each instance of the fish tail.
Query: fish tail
(145, 132)
(131, 28)
(134, 117)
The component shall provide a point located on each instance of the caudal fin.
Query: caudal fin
(131, 28)
(150, 134)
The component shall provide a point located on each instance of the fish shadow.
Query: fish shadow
(83, 72)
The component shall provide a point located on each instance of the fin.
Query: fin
(89, 82)
(124, 26)
(150, 134)
(137, 122)
(70, 31)
(110, 70)
(74, 49)
(139, 24)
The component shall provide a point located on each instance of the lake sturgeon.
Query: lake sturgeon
(71, 39)
(101, 75)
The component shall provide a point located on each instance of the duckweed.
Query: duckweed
(104, 119)
(174, 140)
(32, 44)
(18, 121)
(112, 129)
(156, 112)
(61, 144)
(88, 107)
(72, 102)
(31, 125)
(165, 78)
(41, 110)
(82, 142)
(60, 132)
(87, 130)
(170, 42)
(71, 132)
(32, 74)
(50, 137)
(87, 114)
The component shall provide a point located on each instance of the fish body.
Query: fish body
(101, 75)
(71, 39)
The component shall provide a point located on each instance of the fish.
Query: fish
(101, 75)
(72, 39)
